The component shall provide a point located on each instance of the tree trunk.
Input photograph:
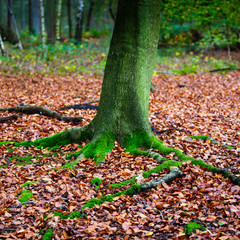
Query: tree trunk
(30, 16)
(51, 21)
(89, 15)
(110, 9)
(22, 14)
(58, 20)
(69, 19)
(42, 23)
(79, 21)
(2, 46)
(15, 26)
(9, 17)
(124, 102)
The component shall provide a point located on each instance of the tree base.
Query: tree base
(102, 144)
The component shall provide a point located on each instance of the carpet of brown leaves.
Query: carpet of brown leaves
(207, 105)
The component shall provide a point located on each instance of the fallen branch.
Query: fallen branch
(223, 69)
(173, 175)
(29, 109)
(21, 204)
(80, 106)
(8, 119)
(166, 130)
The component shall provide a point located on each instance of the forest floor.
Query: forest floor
(199, 205)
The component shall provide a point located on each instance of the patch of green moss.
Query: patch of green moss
(227, 146)
(191, 227)
(159, 168)
(25, 196)
(4, 143)
(48, 234)
(147, 174)
(2, 166)
(55, 141)
(96, 182)
(202, 137)
(97, 149)
(27, 184)
(22, 160)
(134, 189)
(10, 150)
(76, 214)
(205, 138)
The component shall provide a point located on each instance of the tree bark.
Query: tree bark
(110, 9)
(69, 19)
(51, 21)
(30, 16)
(79, 21)
(58, 20)
(2, 46)
(89, 15)
(29, 109)
(42, 23)
(22, 14)
(9, 16)
(15, 26)
(124, 102)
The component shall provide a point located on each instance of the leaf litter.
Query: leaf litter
(207, 105)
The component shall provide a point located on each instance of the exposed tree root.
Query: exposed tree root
(8, 119)
(102, 144)
(29, 109)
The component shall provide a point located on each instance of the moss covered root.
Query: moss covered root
(212, 140)
(73, 135)
(98, 148)
(143, 140)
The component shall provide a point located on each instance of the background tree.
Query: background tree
(9, 16)
(22, 15)
(69, 8)
(79, 21)
(50, 21)
(89, 15)
(13, 22)
(42, 21)
(30, 16)
(58, 20)
(2, 46)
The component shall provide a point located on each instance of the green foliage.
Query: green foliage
(48, 234)
(25, 196)
(27, 184)
(96, 182)
(209, 23)
(191, 227)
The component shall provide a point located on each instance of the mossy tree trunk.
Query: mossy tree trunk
(124, 102)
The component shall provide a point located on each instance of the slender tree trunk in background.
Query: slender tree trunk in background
(42, 23)
(22, 14)
(110, 9)
(69, 19)
(2, 46)
(30, 16)
(15, 27)
(1, 11)
(79, 21)
(89, 15)
(36, 16)
(58, 20)
(9, 17)
(51, 21)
